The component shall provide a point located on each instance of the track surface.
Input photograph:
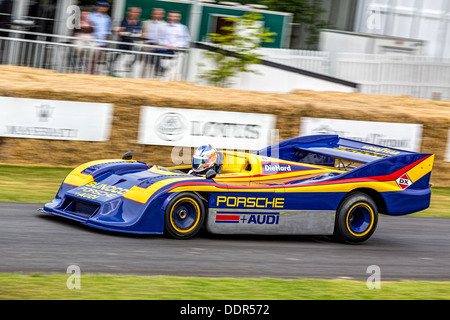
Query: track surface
(406, 248)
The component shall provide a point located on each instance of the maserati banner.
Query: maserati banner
(195, 127)
(57, 120)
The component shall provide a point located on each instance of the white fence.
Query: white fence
(314, 61)
(413, 19)
(420, 77)
(77, 55)
(415, 76)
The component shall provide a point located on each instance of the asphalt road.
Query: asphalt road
(406, 248)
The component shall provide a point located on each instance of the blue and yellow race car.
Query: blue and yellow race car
(312, 185)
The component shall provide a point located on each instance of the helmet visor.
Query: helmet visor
(198, 161)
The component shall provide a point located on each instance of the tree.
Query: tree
(241, 37)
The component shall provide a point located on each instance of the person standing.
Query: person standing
(85, 42)
(101, 22)
(130, 29)
(153, 28)
(85, 32)
(174, 36)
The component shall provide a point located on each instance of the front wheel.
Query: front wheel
(356, 219)
(184, 216)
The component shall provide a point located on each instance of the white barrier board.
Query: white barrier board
(393, 135)
(195, 127)
(56, 120)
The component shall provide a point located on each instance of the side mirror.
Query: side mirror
(127, 156)
(210, 174)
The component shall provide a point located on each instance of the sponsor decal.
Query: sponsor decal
(404, 181)
(272, 218)
(249, 202)
(381, 150)
(277, 168)
(372, 151)
(95, 190)
(273, 167)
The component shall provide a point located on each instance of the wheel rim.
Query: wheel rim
(184, 215)
(360, 219)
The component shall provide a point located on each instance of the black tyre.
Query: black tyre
(184, 216)
(356, 218)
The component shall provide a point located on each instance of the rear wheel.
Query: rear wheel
(184, 216)
(356, 218)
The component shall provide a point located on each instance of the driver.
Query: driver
(204, 159)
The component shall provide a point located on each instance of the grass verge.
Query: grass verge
(30, 184)
(114, 287)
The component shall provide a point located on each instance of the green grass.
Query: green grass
(440, 204)
(102, 287)
(40, 184)
(30, 184)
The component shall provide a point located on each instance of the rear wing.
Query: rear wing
(378, 163)
(325, 149)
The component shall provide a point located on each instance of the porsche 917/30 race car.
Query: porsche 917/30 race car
(312, 185)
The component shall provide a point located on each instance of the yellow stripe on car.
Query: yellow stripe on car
(142, 195)
(77, 178)
(421, 169)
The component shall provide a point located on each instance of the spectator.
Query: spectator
(153, 28)
(129, 30)
(174, 36)
(85, 35)
(130, 27)
(101, 22)
(85, 32)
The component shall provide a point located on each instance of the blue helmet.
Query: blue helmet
(102, 4)
(205, 158)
